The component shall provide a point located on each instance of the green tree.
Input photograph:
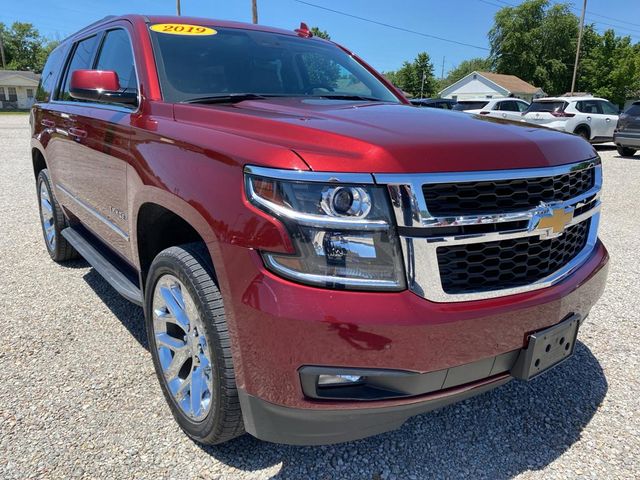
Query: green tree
(24, 47)
(536, 41)
(465, 68)
(409, 77)
(320, 33)
(610, 67)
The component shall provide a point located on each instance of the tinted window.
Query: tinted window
(116, 55)
(634, 110)
(246, 61)
(589, 106)
(462, 105)
(508, 106)
(558, 106)
(609, 108)
(50, 74)
(521, 106)
(81, 60)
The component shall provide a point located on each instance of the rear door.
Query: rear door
(595, 118)
(93, 174)
(610, 112)
(543, 112)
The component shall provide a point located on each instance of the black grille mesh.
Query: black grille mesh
(503, 196)
(481, 267)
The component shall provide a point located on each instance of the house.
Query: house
(17, 89)
(491, 85)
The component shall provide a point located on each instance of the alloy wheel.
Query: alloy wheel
(182, 348)
(46, 216)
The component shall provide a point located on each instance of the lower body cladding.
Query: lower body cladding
(627, 139)
(402, 354)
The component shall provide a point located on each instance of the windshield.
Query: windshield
(546, 106)
(470, 105)
(237, 61)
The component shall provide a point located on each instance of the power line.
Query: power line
(395, 27)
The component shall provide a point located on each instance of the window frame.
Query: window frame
(101, 34)
(15, 94)
(3, 95)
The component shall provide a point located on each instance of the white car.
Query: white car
(508, 108)
(592, 118)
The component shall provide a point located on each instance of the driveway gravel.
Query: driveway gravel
(79, 398)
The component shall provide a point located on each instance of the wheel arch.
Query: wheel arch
(38, 160)
(583, 126)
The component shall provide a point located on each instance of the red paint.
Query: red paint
(190, 158)
(95, 80)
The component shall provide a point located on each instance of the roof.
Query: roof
(27, 75)
(510, 82)
(568, 99)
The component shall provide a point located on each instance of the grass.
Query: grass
(14, 112)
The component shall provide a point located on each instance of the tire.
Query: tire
(52, 221)
(625, 151)
(583, 132)
(188, 337)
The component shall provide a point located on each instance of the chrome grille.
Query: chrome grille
(501, 239)
(501, 196)
(481, 267)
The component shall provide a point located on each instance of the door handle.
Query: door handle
(47, 123)
(608, 120)
(77, 132)
(504, 115)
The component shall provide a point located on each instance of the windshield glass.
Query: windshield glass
(546, 106)
(469, 105)
(237, 61)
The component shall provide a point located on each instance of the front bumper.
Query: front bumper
(278, 327)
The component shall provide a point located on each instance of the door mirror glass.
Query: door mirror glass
(99, 86)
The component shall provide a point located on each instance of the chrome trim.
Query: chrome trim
(310, 176)
(411, 210)
(309, 219)
(94, 212)
(420, 252)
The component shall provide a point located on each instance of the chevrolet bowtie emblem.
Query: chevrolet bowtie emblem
(556, 220)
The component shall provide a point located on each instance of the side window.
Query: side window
(589, 106)
(634, 110)
(116, 55)
(81, 60)
(50, 74)
(609, 108)
(510, 106)
(522, 106)
(13, 94)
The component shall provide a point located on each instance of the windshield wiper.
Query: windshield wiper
(230, 98)
(349, 97)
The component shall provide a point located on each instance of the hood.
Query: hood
(344, 136)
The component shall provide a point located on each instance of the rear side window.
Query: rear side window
(116, 55)
(81, 59)
(589, 106)
(508, 106)
(547, 106)
(50, 74)
(470, 105)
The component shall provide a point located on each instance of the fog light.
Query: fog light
(334, 380)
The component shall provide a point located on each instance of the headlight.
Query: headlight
(343, 233)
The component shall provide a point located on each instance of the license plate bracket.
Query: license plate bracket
(547, 348)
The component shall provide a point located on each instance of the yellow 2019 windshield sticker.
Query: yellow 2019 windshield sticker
(182, 29)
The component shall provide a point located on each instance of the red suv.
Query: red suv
(317, 259)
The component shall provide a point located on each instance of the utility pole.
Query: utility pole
(442, 71)
(178, 7)
(575, 66)
(424, 77)
(254, 10)
(2, 52)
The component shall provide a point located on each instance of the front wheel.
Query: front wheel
(625, 151)
(190, 344)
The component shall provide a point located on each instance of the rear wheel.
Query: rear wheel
(190, 344)
(625, 151)
(52, 221)
(583, 132)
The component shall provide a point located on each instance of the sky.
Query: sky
(385, 48)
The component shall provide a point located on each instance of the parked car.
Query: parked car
(627, 133)
(507, 108)
(317, 260)
(594, 119)
(444, 103)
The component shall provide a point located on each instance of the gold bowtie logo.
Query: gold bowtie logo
(557, 221)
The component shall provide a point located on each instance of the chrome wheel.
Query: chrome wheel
(46, 216)
(182, 348)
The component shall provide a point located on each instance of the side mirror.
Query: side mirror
(99, 86)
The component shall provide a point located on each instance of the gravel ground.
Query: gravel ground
(79, 397)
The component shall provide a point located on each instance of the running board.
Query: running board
(108, 269)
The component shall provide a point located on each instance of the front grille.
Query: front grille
(481, 267)
(504, 196)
